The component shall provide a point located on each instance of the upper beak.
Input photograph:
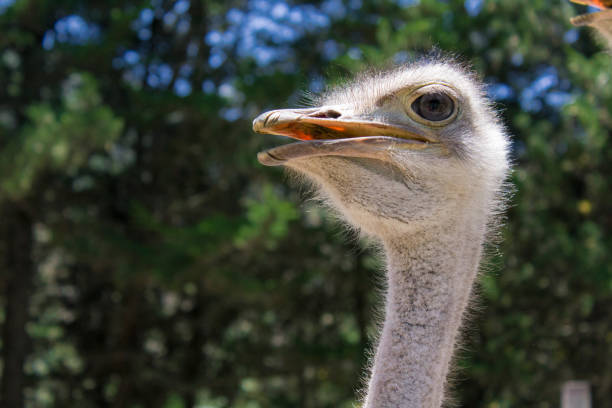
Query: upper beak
(327, 123)
(601, 4)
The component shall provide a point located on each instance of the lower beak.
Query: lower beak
(600, 20)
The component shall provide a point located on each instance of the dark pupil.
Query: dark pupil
(433, 106)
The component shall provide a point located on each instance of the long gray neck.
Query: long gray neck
(430, 276)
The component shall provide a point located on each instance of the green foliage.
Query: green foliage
(267, 219)
(59, 141)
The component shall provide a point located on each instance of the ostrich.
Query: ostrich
(416, 158)
(601, 21)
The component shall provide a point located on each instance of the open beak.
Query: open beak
(327, 132)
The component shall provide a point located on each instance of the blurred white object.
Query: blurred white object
(576, 394)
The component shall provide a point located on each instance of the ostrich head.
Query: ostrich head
(417, 158)
(398, 151)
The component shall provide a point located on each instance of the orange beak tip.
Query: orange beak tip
(593, 3)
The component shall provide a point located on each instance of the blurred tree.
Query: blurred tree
(38, 144)
(168, 269)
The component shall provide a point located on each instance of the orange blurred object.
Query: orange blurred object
(602, 4)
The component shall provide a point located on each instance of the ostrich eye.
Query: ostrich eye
(434, 107)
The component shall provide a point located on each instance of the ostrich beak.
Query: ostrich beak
(325, 123)
(600, 20)
(602, 4)
(326, 131)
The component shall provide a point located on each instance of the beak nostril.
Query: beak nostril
(328, 114)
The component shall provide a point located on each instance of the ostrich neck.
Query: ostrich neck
(430, 276)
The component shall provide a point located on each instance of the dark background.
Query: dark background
(148, 260)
